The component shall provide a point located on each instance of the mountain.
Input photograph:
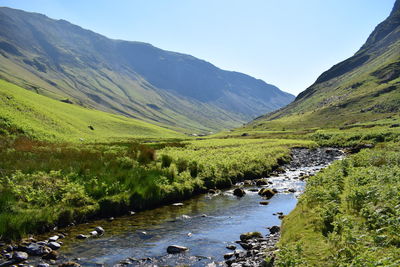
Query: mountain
(363, 88)
(27, 113)
(63, 61)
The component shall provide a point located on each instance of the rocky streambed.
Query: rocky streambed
(235, 227)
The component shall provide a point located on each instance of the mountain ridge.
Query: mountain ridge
(64, 61)
(361, 88)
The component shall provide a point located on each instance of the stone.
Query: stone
(99, 230)
(94, 233)
(240, 253)
(177, 204)
(250, 235)
(274, 229)
(231, 247)
(54, 238)
(42, 264)
(239, 192)
(292, 190)
(132, 213)
(227, 256)
(54, 245)
(19, 256)
(260, 182)
(248, 182)
(111, 219)
(35, 249)
(53, 255)
(266, 193)
(246, 245)
(69, 264)
(174, 249)
(264, 202)
(81, 236)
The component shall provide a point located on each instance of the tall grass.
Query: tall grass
(45, 184)
(349, 213)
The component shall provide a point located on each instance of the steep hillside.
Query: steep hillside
(363, 88)
(63, 61)
(30, 114)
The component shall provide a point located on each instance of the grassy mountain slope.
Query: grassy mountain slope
(31, 114)
(63, 61)
(363, 88)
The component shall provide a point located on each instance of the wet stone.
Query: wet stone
(19, 256)
(175, 249)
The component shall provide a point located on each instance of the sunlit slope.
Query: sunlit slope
(363, 88)
(61, 60)
(31, 114)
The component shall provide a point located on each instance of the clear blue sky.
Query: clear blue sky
(288, 43)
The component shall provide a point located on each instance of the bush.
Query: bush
(166, 161)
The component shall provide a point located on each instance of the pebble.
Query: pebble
(81, 236)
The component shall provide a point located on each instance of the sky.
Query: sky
(288, 43)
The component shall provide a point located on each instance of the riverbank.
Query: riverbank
(47, 185)
(262, 250)
(185, 217)
(348, 216)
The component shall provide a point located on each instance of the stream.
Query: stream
(205, 224)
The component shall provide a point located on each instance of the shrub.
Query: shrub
(166, 161)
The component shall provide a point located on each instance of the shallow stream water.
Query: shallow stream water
(205, 224)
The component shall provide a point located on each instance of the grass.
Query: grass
(348, 215)
(45, 184)
(39, 117)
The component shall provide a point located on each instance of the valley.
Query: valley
(164, 149)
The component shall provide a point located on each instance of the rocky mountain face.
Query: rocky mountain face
(365, 86)
(63, 61)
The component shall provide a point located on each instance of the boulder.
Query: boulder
(274, 229)
(53, 255)
(19, 256)
(94, 233)
(231, 247)
(81, 236)
(54, 238)
(228, 256)
(260, 182)
(54, 245)
(99, 230)
(35, 249)
(266, 193)
(69, 264)
(292, 190)
(174, 249)
(239, 192)
(248, 182)
(250, 235)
